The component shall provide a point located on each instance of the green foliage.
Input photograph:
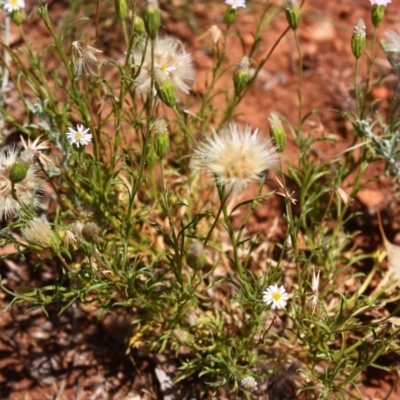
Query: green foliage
(125, 209)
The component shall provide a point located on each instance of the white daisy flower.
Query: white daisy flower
(275, 295)
(170, 57)
(236, 3)
(79, 136)
(13, 5)
(236, 156)
(380, 2)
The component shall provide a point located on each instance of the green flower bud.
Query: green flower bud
(293, 12)
(17, 17)
(184, 338)
(161, 138)
(277, 131)
(152, 18)
(90, 231)
(241, 75)
(196, 257)
(164, 86)
(19, 170)
(121, 8)
(377, 15)
(230, 15)
(138, 25)
(359, 40)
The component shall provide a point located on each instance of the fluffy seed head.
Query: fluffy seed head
(38, 231)
(392, 42)
(32, 152)
(249, 383)
(84, 57)
(170, 57)
(236, 156)
(25, 190)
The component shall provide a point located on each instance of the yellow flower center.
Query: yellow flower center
(276, 296)
(78, 136)
(164, 67)
(14, 2)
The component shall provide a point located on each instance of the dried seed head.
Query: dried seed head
(32, 151)
(84, 57)
(90, 231)
(249, 383)
(236, 156)
(38, 231)
(25, 186)
(172, 61)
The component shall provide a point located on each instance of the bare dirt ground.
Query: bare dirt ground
(80, 354)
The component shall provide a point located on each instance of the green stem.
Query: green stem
(357, 89)
(223, 202)
(146, 144)
(300, 92)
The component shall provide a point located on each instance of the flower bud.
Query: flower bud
(121, 8)
(138, 25)
(90, 231)
(19, 170)
(165, 86)
(152, 18)
(277, 131)
(377, 15)
(196, 257)
(17, 17)
(161, 138)
(230, 15)
(249, 384)
(241, 75)
(183, 338)
(358, 40)
(293, 12)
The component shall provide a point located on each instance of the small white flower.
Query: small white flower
(236, 3)
(249, 383)
(380, 2)
(79, 136)
(236, 156)
(275, 295)
(13, 5)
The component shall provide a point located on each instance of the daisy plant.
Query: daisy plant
(225, 242)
